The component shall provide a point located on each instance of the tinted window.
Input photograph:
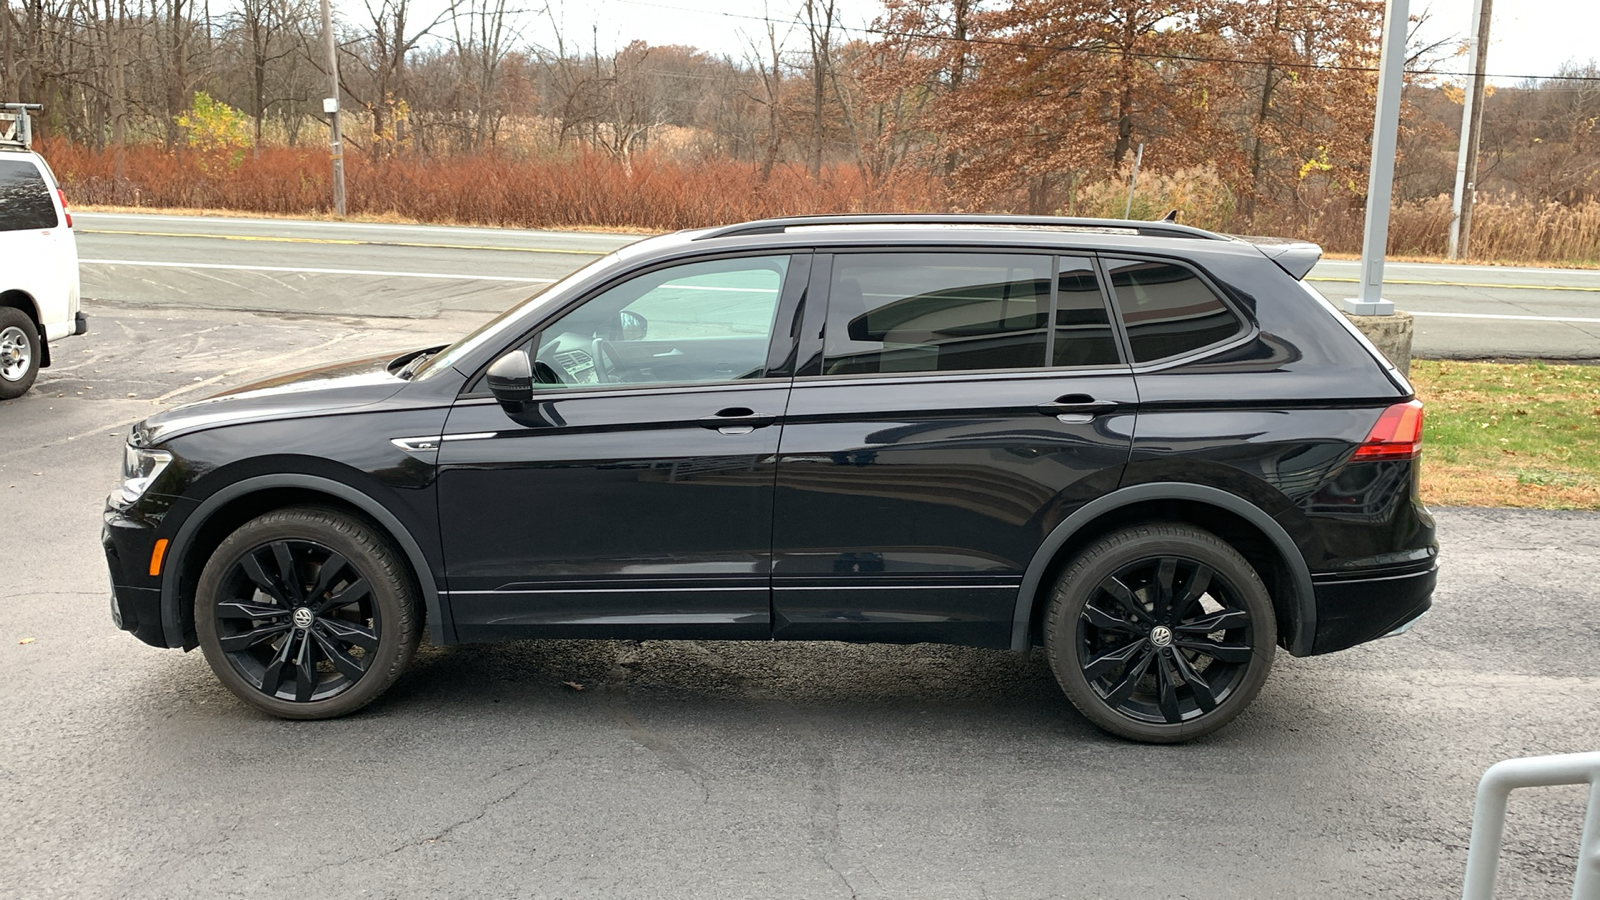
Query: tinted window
(1168, 310)
(24, 199)
(1083, 331)
(702, 321)
(936, 312)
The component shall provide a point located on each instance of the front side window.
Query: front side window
(936, 312)
(1168, 310)
(25, 202)
(697, 322)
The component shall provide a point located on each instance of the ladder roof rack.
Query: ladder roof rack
(15, 128)
(1112, 226)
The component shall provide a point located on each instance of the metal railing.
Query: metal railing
(1489, 819)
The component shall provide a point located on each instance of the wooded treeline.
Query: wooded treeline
(1253, 114)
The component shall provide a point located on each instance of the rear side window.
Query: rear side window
(1168, 310)
(936, 312)
(24, 198)
(1083, 330)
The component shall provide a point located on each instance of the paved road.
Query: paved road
(412, 270)
(718, 770)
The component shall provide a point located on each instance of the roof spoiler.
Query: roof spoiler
(1294, 257)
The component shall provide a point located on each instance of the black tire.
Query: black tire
(322, 643)
(20, 353)
(1105, 641)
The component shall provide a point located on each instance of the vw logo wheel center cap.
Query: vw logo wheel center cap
(1160, 635)
(303, 617)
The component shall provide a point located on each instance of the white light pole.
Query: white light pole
(1380, 180)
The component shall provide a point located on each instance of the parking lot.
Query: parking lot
(571, 769)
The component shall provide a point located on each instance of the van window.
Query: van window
(25, 202)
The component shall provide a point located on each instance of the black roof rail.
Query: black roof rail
(1146, 229)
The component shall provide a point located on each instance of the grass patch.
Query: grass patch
(1510, 434)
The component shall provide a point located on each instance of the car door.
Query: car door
(633, 495)
(955, 407)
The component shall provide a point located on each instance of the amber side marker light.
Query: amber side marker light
(1397, 434)
(156, 556)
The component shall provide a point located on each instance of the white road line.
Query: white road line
(1558, 319)
(189, 265)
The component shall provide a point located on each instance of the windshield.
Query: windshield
(496, 328)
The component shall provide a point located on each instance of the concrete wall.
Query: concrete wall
(1390, 334)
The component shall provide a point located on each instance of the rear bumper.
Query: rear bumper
(1354, 611)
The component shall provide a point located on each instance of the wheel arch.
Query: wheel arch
(1257, 536)
(22, 300)
(224, 511)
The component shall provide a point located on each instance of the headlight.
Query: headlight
(140, 468)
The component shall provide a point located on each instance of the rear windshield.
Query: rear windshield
(25, 201)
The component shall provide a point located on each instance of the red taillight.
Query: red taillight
(63, 195)
(1397, 435)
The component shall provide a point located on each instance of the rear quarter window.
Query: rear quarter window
(1167, 310)
(25, 202)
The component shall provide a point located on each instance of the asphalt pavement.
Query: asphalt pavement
(420, 270)
(720, 770)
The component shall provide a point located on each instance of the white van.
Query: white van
(39, 277)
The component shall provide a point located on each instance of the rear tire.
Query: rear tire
(307, 613)
(20, 352)
(1160, 633)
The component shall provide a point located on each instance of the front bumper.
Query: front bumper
(135, 595)
(1352, 611)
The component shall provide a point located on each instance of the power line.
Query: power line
(1104, 51)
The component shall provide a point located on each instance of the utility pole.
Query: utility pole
(1471, 125)
(11, 93)
(331, 107)
(1380, 176)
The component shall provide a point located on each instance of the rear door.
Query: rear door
(951, 410)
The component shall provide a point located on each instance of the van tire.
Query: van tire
(21, 353)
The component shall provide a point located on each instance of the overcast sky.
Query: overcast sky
(1528, 37)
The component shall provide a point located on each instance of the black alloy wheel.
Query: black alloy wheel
(1160, 633)
(306, 613)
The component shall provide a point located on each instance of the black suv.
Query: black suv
(1149, 448)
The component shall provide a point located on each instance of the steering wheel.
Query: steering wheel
(544, 373)
(605, 360)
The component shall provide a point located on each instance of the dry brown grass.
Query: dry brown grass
(655, 193)
(584, 189)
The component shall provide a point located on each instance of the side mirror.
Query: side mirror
(510, 379)
(633, 326)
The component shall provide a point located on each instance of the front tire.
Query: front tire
(20, 353)
(1160, 633)
(307, 613)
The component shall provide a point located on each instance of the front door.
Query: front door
(635, 494)
(963, 405)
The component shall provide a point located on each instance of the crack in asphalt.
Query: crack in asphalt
(616, 696)
(440, 835)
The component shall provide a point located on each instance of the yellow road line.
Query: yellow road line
(305, 240)
(1473, 284)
